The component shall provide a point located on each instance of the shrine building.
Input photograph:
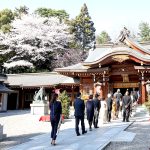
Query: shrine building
(124, 64)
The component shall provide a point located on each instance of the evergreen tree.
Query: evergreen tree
(83, 29)
(22, 10)
(65, 101)
(144, 31)
(6, 16)
(47, 12)
(103, 38)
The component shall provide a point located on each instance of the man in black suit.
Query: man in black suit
(97, 106)
(79, 107)
(126, 104)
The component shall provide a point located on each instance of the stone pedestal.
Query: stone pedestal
(39, 109)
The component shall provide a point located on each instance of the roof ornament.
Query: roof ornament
(123, 34)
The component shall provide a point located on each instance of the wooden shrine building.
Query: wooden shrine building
(124, 65)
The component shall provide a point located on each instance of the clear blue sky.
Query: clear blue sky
(108, 15)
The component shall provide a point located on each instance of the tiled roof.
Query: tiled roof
(101, 53)
(39, 79)
(4, 89)
(76, 67)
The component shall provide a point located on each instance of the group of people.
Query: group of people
(92, 111)
(108, 109)
(113, 107)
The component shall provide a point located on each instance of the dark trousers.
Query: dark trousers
(95, 120)
(77, 121)
(90, 124)
(126, 113)
(108, 115)
(54, 124)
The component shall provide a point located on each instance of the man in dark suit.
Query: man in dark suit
(135, 95)
(126, 104)
(97, 106)
(109, 106)
(79, 107)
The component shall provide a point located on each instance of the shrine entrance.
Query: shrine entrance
(123, 90)
(124, 87)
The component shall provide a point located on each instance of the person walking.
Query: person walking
(135, 95)
(103, 111)
(97, 106)
(118, 97)
(55, 116)
(109, 106)
(90, 111)
(79, 107)
(114, 108)
(126, 104)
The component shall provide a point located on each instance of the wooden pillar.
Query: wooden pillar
(143, 89)
(143, 92)
(81, 85)
(22, 99)
(17, 105)
(72, 95)
(105, 90)
(105, 85)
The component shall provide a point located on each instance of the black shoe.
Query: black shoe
(90, 129)
(127, 121)
(123, 120)
(78, 134)
(84, 132)
(96, 127)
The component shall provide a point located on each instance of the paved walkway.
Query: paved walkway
(67, 139)
(96, 139)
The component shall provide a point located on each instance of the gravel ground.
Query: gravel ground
(20, 126)
(141, 140)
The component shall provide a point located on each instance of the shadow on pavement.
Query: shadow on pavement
(8, 142)
(14, 112)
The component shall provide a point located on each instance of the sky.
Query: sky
(108, 15)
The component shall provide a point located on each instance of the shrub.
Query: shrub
(65, 101)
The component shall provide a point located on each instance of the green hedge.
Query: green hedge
(65, 101)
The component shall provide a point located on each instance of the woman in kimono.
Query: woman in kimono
(103, 111)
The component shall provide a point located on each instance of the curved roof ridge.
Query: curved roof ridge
(118, 51)
(137, 45)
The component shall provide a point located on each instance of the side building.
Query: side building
(4, 91)
(25, 85)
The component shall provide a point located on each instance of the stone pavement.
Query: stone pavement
(67, 139)
(96, 139)
(141, 128)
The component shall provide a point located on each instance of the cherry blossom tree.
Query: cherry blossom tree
(39, 42)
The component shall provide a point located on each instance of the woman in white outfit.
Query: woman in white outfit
(103, 112)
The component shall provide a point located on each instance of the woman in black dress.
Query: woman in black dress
(55, 116)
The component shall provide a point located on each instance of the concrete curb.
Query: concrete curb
(109, 142)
